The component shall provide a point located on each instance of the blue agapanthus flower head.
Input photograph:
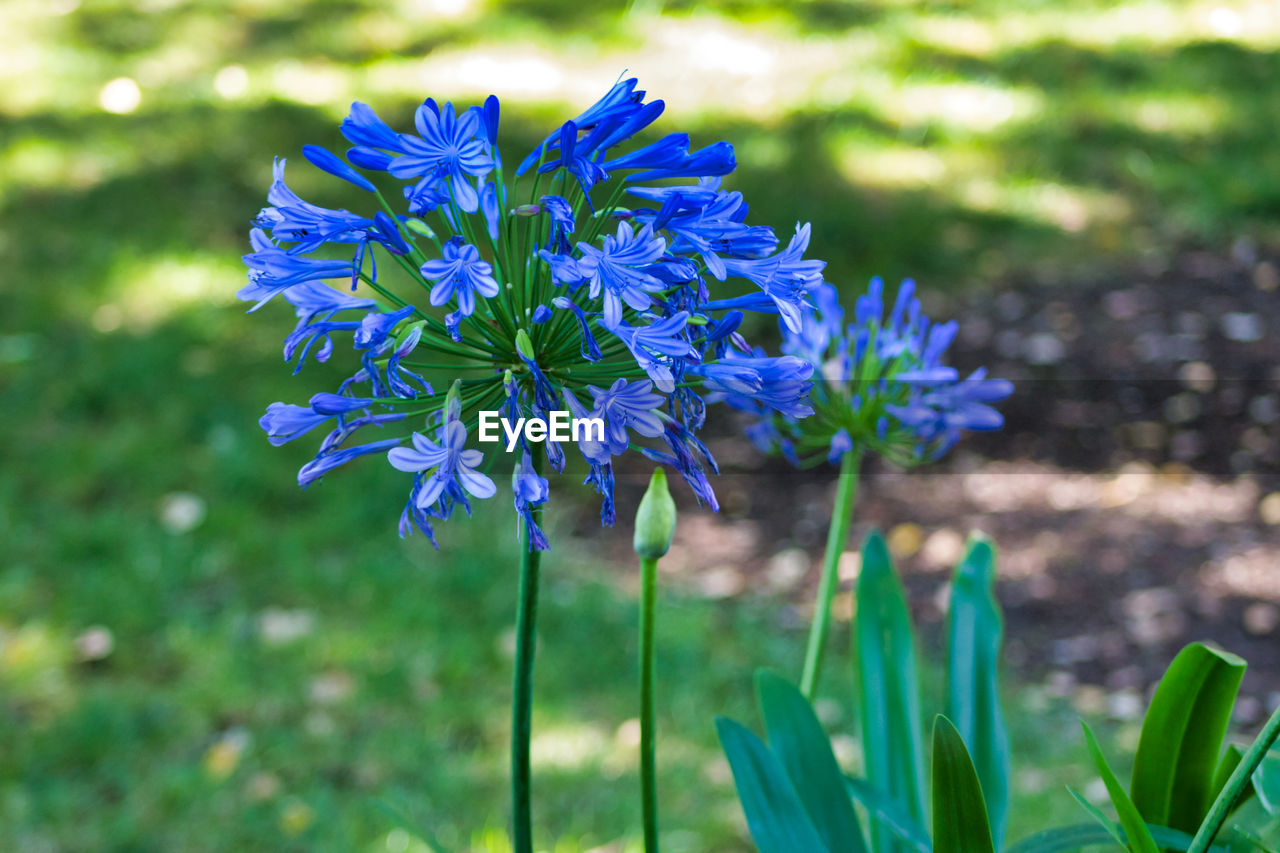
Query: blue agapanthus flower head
(885, 384)
(522, 294)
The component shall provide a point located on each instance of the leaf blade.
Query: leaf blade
(889, 813)
(775, 816)
(976, 629)
(796, 737)
(1135, 829)
(960, 822)
(1182, 734)
(889, 702)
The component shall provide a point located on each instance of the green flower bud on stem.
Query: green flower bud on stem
(523, 345)
(417, 226)
(655, 519)
(453, 399)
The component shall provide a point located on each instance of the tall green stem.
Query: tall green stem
(841, 515)
(648, 758)
(522, 698)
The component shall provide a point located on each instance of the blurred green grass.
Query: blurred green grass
(966, 145)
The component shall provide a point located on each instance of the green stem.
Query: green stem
(1235, 786)
(648, 758)
(841, 514)
(522, 700)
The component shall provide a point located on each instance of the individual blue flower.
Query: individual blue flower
(335, 457)
(376, 327)
(530, 489)
(285, 422)
(620, 270)
(781, 384)
(561, 213)
(315, 305)
(669, 157)
(786, 278)
(656, 346)
(363, 128)
(449, 461)
(327, 161)
(447, 150)
(460, 273)
(273, 271)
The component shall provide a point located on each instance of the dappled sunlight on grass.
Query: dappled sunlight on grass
(1041, 128)
(270, 661)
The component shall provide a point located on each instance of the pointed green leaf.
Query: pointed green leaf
(1135, 829)
(797, 739)
(973, 695)
(775, 816)
(959, 813)
(1105, 823)
(1182, 734)
(888, 689)
(886, 812)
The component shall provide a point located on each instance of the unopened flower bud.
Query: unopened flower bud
(527, 210)
(417, 226)
(523, 345)
(453, 399)
(655, 519)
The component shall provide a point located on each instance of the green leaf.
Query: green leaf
(959, 813)
(775, 816)
(1182, 734)
(1266, 782)
(1135, 829)
(973, 695)
(1064, 839)
(1105, 823)
(888, 813)
(888, 689)
(797, 739)
(1235, 787)
(1226, 766)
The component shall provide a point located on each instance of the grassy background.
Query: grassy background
(279, 660)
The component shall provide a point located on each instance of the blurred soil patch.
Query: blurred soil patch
(1134, 494)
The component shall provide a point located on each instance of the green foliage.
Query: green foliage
(893, 794)
(973, 695)
(796, 736)
(1178, 754)
(1137, 837)
(1237, 785)
(888, 689)
(959, 813)
(775, 815)
(1178, 772)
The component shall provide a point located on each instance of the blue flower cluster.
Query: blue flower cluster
(886, 387)
(540, 289)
